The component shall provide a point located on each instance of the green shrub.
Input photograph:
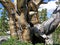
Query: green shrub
(56, 36)
(2, 34)
(15, 42)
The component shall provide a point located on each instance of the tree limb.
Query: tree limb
(8, 5)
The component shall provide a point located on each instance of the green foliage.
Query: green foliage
(15, 42)
(0, 8)
(56, 36)
(4, 21)
(43, 15)
(2, 34)
(58, 2)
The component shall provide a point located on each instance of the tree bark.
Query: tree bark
(17, 15)
(17, 20)
(12, 28)
(10, 8)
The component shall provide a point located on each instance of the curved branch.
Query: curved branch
(48, 26)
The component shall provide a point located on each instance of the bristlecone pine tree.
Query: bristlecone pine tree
(23, 14)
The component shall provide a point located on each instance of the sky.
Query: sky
(1, 6)
(50, 6)
(0, 10)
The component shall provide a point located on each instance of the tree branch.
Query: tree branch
(8, 5)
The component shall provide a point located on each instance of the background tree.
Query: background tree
(3, 22)
(43, 15)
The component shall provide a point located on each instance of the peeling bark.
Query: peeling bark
(10, 8)
(17, 15)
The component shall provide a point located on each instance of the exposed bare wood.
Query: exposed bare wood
(21, 8)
